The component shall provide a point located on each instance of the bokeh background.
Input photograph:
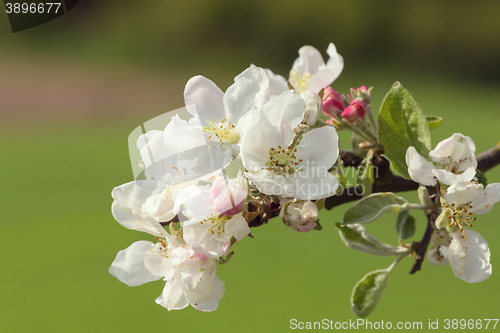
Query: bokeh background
(73, 89)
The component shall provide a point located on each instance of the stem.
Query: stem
(488, 159)
(421, 247)
(417, 206)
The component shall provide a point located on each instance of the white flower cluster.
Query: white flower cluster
(282, 150)
(454, 167)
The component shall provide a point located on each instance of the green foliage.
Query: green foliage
(402, 124)
(368, 291)
(405, 225)
(481, 178)
(370, 208)
(357, 237)
(434, 122)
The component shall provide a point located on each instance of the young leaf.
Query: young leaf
(369, 290)
(370, 208)
(357, 237)
(402, 124)
(434, 122)
(405, 225)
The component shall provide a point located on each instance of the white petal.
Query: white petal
(128, 266)
(319, 147)
(335, 62)
(250, 88)
(158, 264)
(485, 199)
(309, 61)
(172, 297)
(237, 226)
(419, 168)
(435, 258)
(470, 257)
(449, 178)
(207, 98)
(322, 79)
(179, 135)
(285, 110)
(152, 148)
(312, 183)
(277, 83)
(201, 240)
(195, 200)
(268, 182)
(207, 299)
(131, 219)
(263, 136)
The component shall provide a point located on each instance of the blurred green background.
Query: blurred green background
(73, 89)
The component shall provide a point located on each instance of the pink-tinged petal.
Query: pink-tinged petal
(206, 97)
(250, 88)
(128, 266)
(469, 256)
(228, 196)
(319, 147)
(172, 297)
(419, 168)
(485, 199)
(449, 178)
(309, 61)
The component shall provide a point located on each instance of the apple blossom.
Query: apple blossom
(453, 161)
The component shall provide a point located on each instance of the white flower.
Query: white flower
(453, 162)
(279, 166)
(314, 106)
(469, 256)
(227, 117)
(207, 231)
(309, 71)
(190, 277)
(468, 252)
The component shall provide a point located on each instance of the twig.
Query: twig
(421, 247)
(488, 159)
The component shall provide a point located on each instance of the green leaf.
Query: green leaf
(434, 122)
(357, 237)
(405, 225)
(402, 124)
(481, 178)
(370, 208)
(368, 292)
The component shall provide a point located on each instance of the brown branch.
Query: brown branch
(387, 182)
(350, 159)
(488, 159)
(421, 247)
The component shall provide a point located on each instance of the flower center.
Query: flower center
(225, 131)
(282, 160)
(460, 216)
(218, 223)
(298, 80)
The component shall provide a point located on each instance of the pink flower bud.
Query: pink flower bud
(354, 111)
(362, 93)
(333, 104)
(300, 215)
(228, 198)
